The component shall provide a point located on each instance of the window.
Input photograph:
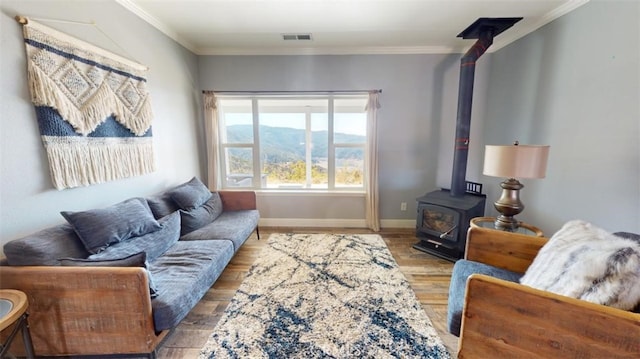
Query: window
(286, 142)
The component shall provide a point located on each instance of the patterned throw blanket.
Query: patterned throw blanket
(92, 107)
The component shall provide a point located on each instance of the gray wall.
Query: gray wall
(575, 85)
(28, 201)
(416, 123)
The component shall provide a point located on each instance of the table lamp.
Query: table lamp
(511, 162)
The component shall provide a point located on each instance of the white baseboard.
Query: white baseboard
(334, 223)
(398, 223)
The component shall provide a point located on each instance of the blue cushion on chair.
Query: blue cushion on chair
(461, 271)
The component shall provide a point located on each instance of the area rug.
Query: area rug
(324, 296)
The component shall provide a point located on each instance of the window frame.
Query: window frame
(332, 146)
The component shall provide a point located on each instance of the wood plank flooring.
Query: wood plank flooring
(428, 276)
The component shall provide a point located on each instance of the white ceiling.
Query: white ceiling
(255, 27)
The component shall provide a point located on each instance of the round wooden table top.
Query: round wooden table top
(13, 303)
(487, 222)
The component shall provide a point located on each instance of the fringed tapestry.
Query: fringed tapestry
(92, 107)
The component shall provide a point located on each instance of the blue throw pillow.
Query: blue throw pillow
(154, 244)
(135, 260)
(199, 217)
(190, 195)
(44, 247)
(162, 205)
(100, 228)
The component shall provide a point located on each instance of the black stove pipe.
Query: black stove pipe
(463, 122)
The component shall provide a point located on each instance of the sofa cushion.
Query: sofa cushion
(235, 226)
(190, 195)
(162, 205)
(183, 275)
(586, 262)
(457, 288)
(154, 244)
(43, 248)
(134, 260)
(100, 228)
(199, 217)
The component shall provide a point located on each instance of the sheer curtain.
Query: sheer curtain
(372, 216)
(211, 130)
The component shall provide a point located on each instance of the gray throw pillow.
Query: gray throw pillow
(201, 216)
(162, 205)
(100, 228)
(154, 244)
(43, 248)
(190, 195)
(135, 260)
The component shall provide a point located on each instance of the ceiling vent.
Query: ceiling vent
(296, 37)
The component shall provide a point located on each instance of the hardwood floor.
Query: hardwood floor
(428, 275)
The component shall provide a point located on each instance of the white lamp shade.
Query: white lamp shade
(516, 161)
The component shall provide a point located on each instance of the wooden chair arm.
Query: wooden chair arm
(85, 310)
(507, 250)
(507, 320)
(238, 200)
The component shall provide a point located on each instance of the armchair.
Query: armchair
(504, 319)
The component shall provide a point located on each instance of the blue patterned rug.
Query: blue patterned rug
(325, 296)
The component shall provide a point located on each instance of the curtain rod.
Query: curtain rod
(290, 92)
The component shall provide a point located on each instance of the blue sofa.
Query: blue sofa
(115, 280)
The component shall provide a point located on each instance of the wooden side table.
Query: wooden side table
(13, 310)
(524, 228)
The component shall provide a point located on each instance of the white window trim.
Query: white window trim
(332, 146)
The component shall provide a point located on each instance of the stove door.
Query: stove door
(438, 221)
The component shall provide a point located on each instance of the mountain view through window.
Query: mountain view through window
(301, 143)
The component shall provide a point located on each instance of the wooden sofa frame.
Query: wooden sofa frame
(502, 319)
(93, 310)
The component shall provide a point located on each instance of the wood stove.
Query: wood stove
(443, 221)
(444, 215)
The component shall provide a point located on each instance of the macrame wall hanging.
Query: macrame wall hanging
(92, 108)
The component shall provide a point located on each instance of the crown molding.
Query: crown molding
(374, 50)
(503, 40)
(514, 34)
(159, 25)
